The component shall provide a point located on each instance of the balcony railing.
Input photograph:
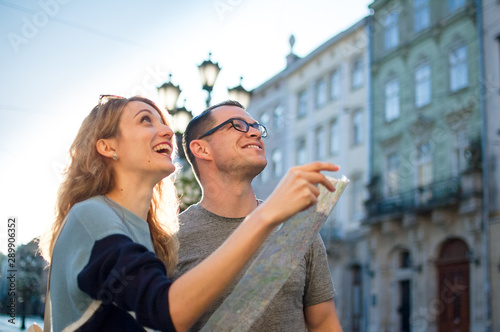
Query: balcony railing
(423, 198)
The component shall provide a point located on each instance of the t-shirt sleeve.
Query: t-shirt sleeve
(95, 258)
(127, 274)
(319, 286)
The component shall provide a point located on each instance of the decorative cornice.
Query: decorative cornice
(391, 140)
(423, 124)
(377, 4)
(458, 118)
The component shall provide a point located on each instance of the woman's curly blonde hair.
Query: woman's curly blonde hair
(90, 174)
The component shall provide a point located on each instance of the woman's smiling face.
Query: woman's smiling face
(144, 142)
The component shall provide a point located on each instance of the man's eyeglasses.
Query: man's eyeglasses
(103, 99)
(239, 125)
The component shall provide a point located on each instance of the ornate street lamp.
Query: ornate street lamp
(168, 94)
(240, 94)
(181, 117)
(208, 74)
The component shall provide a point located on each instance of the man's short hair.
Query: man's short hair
(199, 125)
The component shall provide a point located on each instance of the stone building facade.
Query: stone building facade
(490, 37)
(317, 109)
(412, 246)
(427, 250)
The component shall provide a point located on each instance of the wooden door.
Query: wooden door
(454, 288)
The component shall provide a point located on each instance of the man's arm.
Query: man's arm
(322, 317)
(194, 292)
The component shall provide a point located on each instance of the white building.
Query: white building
(317, 108)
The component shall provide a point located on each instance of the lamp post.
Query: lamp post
(208, 74)
(180, 118)
(240, 94)
(168, 95)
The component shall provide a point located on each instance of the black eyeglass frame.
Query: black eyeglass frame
(256, 125)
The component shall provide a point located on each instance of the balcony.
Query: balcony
(420, 199)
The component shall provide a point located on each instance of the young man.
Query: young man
(225, 149)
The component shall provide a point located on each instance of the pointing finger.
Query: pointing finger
(318, 166)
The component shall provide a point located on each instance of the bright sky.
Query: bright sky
(58, 56)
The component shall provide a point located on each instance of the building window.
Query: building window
(461, 145)
(424, 153)
(458, 68)
(302, 104)
(279, 117)
(334, 138)
(277, 159)
(391, 33)
(357, 298)
(423, 85)
(335, 84)
(392, 100)
(264, 119)
(421, 14)
(392, 174)
(357, 73)
(357, 200)
(319, 144)
(455, 4)
(357, 128)
(404, 259)
(301, 152)
(404, 300)
(264, 176)
(424, 172)
(320, 93)
(498, 48)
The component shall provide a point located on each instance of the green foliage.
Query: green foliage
(188, 189)
(29, 276)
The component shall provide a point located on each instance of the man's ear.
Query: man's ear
(106, 147)
(200, 149)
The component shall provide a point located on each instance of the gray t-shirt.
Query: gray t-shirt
(202, 232)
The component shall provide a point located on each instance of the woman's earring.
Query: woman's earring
(115, 156)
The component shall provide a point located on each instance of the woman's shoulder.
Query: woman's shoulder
(92, 206)
(97, 216)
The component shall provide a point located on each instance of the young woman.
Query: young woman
(111, 261)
